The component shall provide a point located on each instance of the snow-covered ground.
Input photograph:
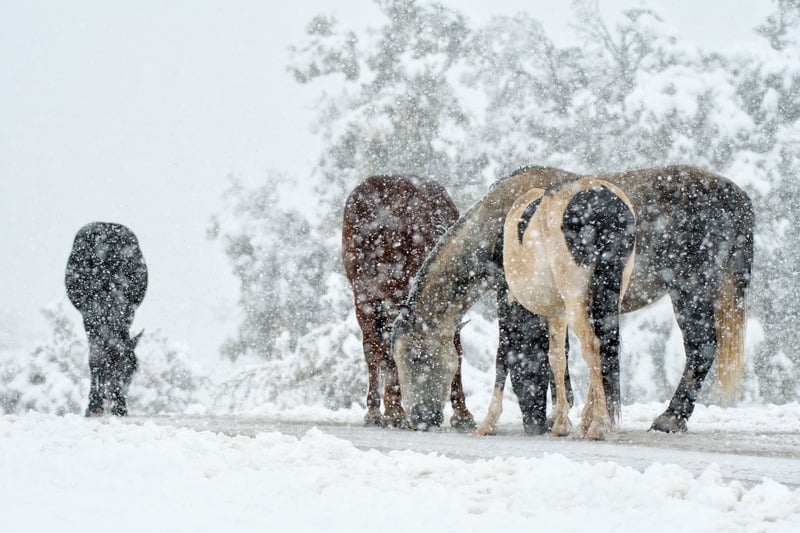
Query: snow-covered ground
(73, 474)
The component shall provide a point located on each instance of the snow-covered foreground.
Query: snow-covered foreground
(72, 474)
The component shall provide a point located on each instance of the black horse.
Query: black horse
(106, 279)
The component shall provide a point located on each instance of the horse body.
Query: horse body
(568, 255)
(694, 242)
(106, 280)
(390, 224)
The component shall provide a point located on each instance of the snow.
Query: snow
(197, 469)
(73, 474)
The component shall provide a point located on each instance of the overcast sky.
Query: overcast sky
(136, 111)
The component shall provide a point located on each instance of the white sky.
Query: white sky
(136, 111)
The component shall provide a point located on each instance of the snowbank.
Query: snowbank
(73, 474)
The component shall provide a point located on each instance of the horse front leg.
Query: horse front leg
(557, 328)
(524, 341)
(694, 312)
(462, 419)
(489, 424)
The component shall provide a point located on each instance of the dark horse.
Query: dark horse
(390, 225)
(106, 279)
(694, 242)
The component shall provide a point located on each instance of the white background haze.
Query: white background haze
(136, 112)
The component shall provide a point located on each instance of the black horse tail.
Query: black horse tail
(729, 303)
(600, 230)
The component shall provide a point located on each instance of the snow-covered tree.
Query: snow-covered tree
(390, 103)
(326, 367)
(283, 266)
(424, 92)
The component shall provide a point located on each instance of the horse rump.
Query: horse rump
(600, 231)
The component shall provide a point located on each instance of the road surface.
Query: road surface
(748, 457)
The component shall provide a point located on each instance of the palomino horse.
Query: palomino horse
(694, 242)
(568, 256)
(106, 279)
(390, 225)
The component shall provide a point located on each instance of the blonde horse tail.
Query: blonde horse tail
(730, 311)
(730, 314)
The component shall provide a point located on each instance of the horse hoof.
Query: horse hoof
(95, 413)
(373, 420)
(598, 429)
(486, 429)
(399, 422)
(561, 427)
(536, 427)
(669, 423)
(463, 423)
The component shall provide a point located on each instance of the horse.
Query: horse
(390, 224)
(568, 254)
(106, 280)
(694, 243)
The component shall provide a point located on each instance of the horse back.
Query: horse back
(390, 224)
(692, 224)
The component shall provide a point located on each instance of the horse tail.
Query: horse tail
(601, 233)
(729, 305)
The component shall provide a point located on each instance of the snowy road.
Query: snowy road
(745, 455)
(320, 471)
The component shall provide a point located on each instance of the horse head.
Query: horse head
(426, 363)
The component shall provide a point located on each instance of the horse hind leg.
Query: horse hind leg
(596, 420)
(394, 414)
(557, 327)
(98, 368)
(366, 314)
(694, 311)
(119, 404)
(462, 419)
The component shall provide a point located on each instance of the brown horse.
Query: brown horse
(390, 225)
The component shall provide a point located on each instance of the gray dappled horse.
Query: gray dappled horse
(106, 280)
(694, 242)
(390, 224)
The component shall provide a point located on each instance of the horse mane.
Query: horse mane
(422, 273)
(417, 283)
(525, 170)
